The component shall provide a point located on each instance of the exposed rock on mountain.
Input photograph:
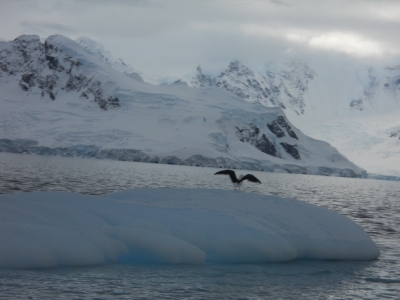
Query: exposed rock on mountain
(279, 126)
(44, 68)
(284, 89)
(251, 134)
(292, 150)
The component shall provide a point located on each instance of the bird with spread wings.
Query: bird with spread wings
(238, 182)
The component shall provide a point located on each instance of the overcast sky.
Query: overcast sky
(174, 36)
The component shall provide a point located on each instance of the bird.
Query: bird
(238, 182)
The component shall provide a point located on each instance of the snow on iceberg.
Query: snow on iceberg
(174, 226)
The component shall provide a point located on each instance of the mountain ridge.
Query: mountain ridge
(60, 99)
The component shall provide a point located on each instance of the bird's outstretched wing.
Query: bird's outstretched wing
(231, 174)
(225, 172)
(251, 178)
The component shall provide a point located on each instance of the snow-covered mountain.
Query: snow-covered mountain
(50, 69)
(294, 86)
(59, 98)
(331, 102)
(96, 49)
(284, 89)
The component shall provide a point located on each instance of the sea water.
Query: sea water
(373, 204)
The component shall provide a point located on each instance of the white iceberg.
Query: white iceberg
(173, 226)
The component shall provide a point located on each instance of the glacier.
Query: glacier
(171, 226)
(60, 98)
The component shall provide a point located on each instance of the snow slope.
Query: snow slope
(98, 50)
(57, 98)
(371, 141)
(173, 226)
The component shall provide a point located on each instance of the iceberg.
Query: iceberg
(171, 226)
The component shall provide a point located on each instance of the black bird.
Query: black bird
(238, 182)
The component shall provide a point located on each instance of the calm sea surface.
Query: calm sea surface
(374, 205)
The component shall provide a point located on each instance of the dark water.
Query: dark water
(374, 205)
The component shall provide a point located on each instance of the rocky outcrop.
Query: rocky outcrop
(279, 126)
(292, 150)
(251, 134)
(45, 68)
(201, 80)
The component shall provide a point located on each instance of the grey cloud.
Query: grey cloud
(280, 2)
(175, 36)
(43, 28)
